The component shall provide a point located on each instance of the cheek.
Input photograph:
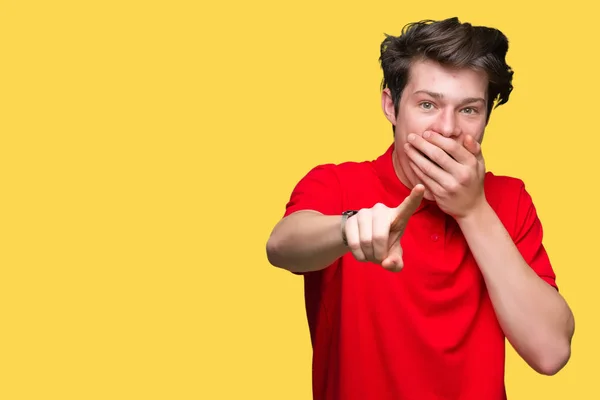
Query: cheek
(474, 128)
(413, 122)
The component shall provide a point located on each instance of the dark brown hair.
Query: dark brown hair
(451, 43)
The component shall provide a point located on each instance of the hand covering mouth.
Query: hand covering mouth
(434, 163)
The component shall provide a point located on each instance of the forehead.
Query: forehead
(431, 76)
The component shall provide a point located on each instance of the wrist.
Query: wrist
(476, 215)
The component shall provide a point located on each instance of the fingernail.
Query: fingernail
(426, 134)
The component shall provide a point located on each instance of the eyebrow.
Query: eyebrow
(440, 96)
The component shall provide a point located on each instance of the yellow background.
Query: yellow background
(147, 149)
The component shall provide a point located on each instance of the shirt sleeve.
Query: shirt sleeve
(529, 238)
(318, 190)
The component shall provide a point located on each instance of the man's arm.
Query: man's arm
(533, 315)
(535, 318)
(309, 241)
(308, 238)
(306, 241)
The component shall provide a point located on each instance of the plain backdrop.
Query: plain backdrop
(148, 148)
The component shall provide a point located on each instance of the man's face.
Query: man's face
(451, 102)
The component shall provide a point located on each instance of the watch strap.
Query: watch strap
(345, 215)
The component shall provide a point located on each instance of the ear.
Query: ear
(387, 104)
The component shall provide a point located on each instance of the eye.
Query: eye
(469, 110)
(426, 105)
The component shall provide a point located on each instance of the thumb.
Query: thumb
(394, 262)
(407, 208)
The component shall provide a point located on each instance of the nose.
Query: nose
(447, 124)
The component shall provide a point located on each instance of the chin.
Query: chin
(427, 195)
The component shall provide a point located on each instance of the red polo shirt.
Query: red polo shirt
(428, 332)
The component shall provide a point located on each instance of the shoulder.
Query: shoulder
(503, 191)
(498, 183)
(511, 201)
(324, 186)
(340, 172)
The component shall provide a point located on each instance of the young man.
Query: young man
(419, 264)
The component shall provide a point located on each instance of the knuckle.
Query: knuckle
(427, 169)
(356, 251)
(353, 242)
(354, 246)
(379, 237)
(463, 177)
(363, 214)
(379, 206)
(452, 187)
(359, 256)
(438, 155)
(365, 242)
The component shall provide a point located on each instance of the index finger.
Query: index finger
(450, 146)
(408, 207)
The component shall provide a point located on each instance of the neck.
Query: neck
(399, 171)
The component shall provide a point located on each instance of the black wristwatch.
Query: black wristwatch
(345, 215)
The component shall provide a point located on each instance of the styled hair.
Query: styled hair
(450, 43)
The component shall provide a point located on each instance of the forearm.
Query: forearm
(535, 318)
(306, 241)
